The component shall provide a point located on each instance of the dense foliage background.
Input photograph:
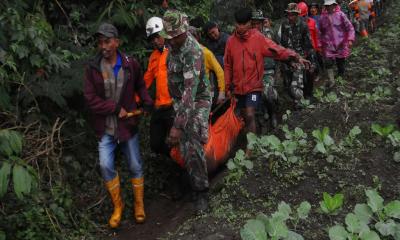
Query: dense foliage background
(49, 182)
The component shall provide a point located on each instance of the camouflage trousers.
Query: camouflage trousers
(195, 135)
(294, 81)
(270, 92)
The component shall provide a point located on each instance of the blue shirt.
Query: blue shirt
(117, 66)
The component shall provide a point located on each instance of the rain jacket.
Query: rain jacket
(212, 64)
(335, 31)
(312, 27)
(157, 70)
(244, 60)
(101, 107)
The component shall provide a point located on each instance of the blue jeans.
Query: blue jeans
(130, 148)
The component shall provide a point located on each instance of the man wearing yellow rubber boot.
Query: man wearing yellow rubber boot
(112, 80)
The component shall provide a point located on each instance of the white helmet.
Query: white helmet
(154, 25)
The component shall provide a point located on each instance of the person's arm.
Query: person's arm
(277, 52)
(149, 75)
(214, 65)
(140, 87)
(349, 30)
(307, 44)
(191, 74)
(97, 104)
(228, 67)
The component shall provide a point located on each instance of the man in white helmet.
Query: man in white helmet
(163, 114)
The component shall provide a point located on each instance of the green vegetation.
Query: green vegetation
(372, 220)
(275, 226)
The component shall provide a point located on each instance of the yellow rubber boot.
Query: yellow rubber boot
(138, 189)
(114, 189)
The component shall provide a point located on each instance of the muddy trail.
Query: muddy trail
(369, 94)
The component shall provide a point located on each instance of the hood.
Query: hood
(245, 36)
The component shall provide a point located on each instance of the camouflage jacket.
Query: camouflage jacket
(187, 81)
(295, 37)
(269, 63)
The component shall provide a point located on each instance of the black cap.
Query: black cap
(243, 15)
(108, 30)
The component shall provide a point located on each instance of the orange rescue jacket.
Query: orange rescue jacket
(157, 70)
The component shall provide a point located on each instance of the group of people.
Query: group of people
(190, 78)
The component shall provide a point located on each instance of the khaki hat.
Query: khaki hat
(175, 23)
(293, 8)
(257, 15)
(329, 2)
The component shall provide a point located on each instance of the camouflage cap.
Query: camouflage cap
(175, 23)
(257, 15)
(293, 8)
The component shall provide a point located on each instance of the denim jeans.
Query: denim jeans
(130, 148)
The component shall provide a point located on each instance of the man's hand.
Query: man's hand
(305, 63)
(174, 136)
(221, 97)
(122, 113)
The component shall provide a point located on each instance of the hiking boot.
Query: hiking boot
(331, 79)
(201, 202)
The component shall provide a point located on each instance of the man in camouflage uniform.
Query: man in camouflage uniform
(190, 89)
(270, 93)
(294, 34)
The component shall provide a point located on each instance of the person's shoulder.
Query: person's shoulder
(129, 60)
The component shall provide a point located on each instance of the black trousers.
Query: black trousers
(160, 125)
(340, 63)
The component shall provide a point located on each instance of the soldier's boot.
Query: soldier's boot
(201, 201)
(114, 189)
(331, 78)
(138, 189)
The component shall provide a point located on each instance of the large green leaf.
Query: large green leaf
(22, 181)
(354, 225)
(375, 201)
(253, 230)
(386, 228)
(338, 233)
(320, 148)
(274, 142)
(248, 164)
(252, 140)
(369, 235)
(392, 209)
(283, 212)
(10, 143)
(294, 236)
(277, 228)
(363, 213)
(397, 232)
(4, 178)
(303, 210)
